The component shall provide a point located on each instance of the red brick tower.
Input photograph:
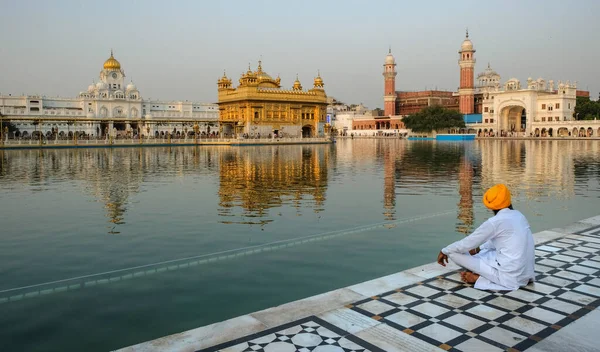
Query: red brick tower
(466, 90)
(389, 74)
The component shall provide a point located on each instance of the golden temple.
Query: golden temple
(260, 107)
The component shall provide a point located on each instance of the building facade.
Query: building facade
(259, 107)
(108, 107)
(492, 108)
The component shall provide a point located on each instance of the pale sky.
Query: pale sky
(176, 50)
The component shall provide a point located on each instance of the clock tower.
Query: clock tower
(112, 74)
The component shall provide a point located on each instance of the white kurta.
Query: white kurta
(507, 257)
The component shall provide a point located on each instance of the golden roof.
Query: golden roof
(318, 81)
(112, 63)
(297, 84)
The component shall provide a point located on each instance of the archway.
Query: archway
(582, 132)
(513, 118)
(227, 130)
(307, 131)
(563, 132)
(537, 132)
(575, 133)
(550, 132)
(590, 132)
(544, 132)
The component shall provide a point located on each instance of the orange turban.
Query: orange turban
(497, 197)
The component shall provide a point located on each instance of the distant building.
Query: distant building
(540, 108)
(260, 106)
(106, 107)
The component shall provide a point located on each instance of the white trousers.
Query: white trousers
(483, 263)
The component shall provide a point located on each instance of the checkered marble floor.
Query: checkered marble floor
(445, 313)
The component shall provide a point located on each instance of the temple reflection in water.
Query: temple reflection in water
(256, 179)
(244, 185)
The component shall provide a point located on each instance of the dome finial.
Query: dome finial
(390, 50)
(467, 32)
(259, 69)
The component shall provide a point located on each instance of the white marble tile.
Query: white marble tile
(280, 347)
(525, 325)
(559, 244)
(561, 306)
(472, 293)
(577, 298)
(464, 322)
(548, 249)
(590, 263)
(541, 254)
(306, 340)
(548, 235)
(595, 282)
(454, 277)
(569, 240)
(590, 290)
(443, 284)
(376, 307)
(203, 337)
(503, 336)
(577, 254)
(452, 300)
(391, 340)
(544, 315)
(305, 307)
(525, 295)
(431, 270)
(542, 268)
(430, 309)
(439, 332)
(400, 298)
(552, 263)
(596, 258)
(580, 336)
(348, 320)
(557, 281)
(423, 291)
(564, 258)
(385, 284)
(585, 249)
(541, 288)
(506, 303)
(593, 245)
(570, 275)
(486, 312)
(405, 319)
(582, 269)
(593, 241)
(264, 339)
(475, 345)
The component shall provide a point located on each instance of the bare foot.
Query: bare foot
(469, 277)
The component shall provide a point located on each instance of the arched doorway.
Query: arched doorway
(590, 132)
(513, 119)
(582, 132)
(550, 132)
(228, 130)
(575, 133)
(307, 131)
(537, 132)
(563, 131)
(544, 132)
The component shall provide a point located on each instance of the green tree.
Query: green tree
(434, 118)
(586, 109)
(11, 126)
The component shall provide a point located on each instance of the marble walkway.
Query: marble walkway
(428, 308)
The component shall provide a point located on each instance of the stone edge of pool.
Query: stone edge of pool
(228, 330)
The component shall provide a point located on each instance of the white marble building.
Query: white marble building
(539, 108)
(109, 105)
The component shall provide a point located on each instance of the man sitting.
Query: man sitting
(499, 255)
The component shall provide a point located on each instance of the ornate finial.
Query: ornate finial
(111, 52)
(259, 69)
(318, 73)
(467, 32)
(489, 65)
(390, 50)
(297, 77)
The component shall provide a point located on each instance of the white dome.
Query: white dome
(101, 85)
(466, 45)
(91, 88)
(131, 86)
(389, 59)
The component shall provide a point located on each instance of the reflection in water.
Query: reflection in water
(255, 179)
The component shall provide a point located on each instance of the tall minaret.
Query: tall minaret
(389, 74)
(466, 90)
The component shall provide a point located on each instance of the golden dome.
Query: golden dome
(318, 81)
(297, 85)
(112, 63)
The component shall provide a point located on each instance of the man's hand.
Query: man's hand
(441, 258)
(474, 251)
